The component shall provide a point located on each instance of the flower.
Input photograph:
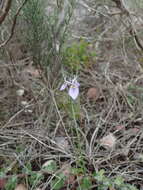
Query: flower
(73, 88)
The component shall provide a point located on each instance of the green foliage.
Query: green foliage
(117, 183)
(11, 184)
(77, 56)
(86, 180)
(85, 184)
(27, 169)
(19, 148)
(100, 176)
(2, 172)
(36, 29)
(77, 171)
(58, 182)
(41, 37)
(50, 167)
(59, 178)
(33, 178)
(81, 167)
(68, 105)
(45, 33)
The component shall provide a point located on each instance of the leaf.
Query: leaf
(58, 182)
(11, 183)
(85, 184)
(35, 178)
(99, 176)
(27, 169)
(108, 141)
(119, 181)
(50, 166)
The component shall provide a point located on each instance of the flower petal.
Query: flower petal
(75, 83)
(73, 92)
(63, 86)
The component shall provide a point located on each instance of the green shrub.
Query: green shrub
(77, 56)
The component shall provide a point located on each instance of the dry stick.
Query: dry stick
(5, 10)
(133, 33)
(13, 25)
(137, 40)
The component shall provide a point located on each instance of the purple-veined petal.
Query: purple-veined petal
(73, 92)
(75, 83)
(64, 86)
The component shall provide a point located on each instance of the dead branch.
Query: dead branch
(5, 10)
(133, 33)
(13, 25)
(136, 38)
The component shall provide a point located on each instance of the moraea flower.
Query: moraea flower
(73, 88)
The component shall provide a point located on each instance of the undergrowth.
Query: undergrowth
(79, 178)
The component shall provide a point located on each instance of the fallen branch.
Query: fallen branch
(13, 25)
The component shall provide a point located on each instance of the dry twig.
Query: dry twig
(5, 10)
(13, 25)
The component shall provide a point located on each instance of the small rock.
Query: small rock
(93, 93)
(20, 92)
(21, 187)
(24, 103)
(108, 141)
(62, 143)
